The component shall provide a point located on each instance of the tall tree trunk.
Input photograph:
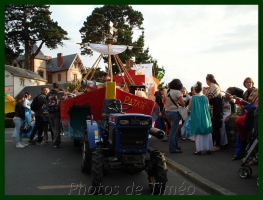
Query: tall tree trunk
(27, 45)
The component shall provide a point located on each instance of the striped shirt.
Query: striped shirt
(213, 91)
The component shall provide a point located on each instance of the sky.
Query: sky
(189, 41)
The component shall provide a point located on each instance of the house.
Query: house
(63, 69)
(17, 78)
(60, 69)
(37, 65)
(43, 70)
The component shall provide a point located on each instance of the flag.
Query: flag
(160, 74)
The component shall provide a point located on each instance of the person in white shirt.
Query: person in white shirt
(173, 96)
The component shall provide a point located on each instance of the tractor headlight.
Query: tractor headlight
(124, 122)
(144, 122)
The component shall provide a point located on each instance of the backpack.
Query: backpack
(53, 101)
(34, 105)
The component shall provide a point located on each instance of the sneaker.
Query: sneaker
(45, 141)
(19, 145)
(24, 144)
(55, 146)
(30, 141)
(164, 139)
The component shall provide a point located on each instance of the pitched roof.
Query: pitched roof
(17, 71)
(40, 55)
(36, 90)
(67, 62)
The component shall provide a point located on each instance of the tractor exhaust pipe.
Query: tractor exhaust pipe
(159, 134)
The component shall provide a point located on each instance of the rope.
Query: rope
(95, 69)
(79, 85)
(118, 65)
(125, 71)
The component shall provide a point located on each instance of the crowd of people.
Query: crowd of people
(209, 111)
(46, 116)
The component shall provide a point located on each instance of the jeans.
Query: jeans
(18, 123)
(54, 120)
(38, 128)
(173, 117)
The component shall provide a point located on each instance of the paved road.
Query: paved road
(43, 170)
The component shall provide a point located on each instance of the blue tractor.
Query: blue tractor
(122, 138)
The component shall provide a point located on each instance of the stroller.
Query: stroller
(251, 155)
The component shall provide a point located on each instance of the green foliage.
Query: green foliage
(27, 24)
(96, 25)
(97, 76)
(71, 85)
(124, 19)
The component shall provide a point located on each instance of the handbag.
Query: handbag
(182, 110)
(140, 92)
(26, 127)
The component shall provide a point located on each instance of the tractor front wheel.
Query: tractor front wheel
(157, 172)
(97, 169)
(86, 161)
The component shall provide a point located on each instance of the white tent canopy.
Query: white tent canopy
(113, 49)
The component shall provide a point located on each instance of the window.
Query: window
(22, 82)
(75, 77)
(49, 78)
(41, 73)
(76, 65)
(59, 77)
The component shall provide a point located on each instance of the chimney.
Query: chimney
(59, 59)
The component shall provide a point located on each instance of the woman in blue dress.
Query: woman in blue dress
(201, 125)
(28, 112)
(26, 105)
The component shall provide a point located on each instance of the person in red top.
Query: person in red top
(249, 96)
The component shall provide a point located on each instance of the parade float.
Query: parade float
(113, 125)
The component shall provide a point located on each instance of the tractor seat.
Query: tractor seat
(111, 106)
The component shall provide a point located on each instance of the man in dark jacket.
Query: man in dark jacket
(53, 105)
(39, 123)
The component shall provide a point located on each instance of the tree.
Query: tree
(125, 19)
(27, 24)
(71, 85)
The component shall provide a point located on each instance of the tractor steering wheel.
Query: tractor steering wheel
(114, 106)
(129, 106)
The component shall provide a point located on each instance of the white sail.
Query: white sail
(103, 48)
